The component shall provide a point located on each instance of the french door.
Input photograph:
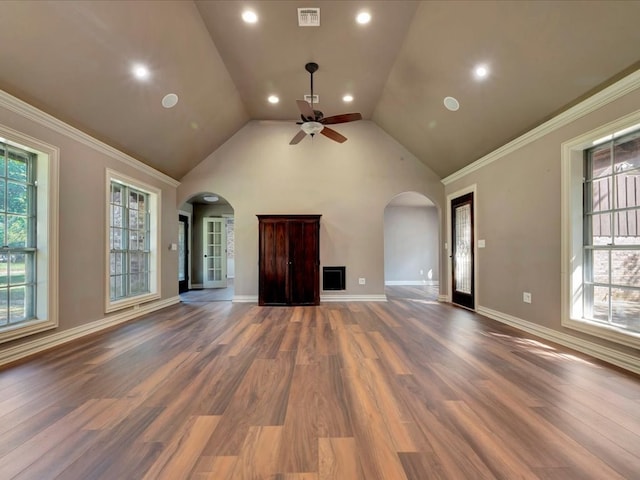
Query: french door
(462, 246)
(214, 244)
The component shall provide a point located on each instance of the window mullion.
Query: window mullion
(125, 239)
(612, 226)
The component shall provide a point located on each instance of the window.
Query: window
(133, 238)
(17, 235)
(28, 238)
(601, 232)
(611, 233)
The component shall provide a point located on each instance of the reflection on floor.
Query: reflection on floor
(413, 292)
(205, 295)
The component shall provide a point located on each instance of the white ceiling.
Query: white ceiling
(72, 59)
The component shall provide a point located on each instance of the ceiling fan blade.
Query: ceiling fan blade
(344, 118)
(306, 110)
(333, 135)
(298, 137)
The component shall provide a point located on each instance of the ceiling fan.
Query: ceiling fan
(314, 121)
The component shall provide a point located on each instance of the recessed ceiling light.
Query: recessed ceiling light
(141, 72)
(451, 104)
(249, 16)
(481, 72)
(273, 99)
(210, 198)
(169, 100)
(347, 98)
(363, 18)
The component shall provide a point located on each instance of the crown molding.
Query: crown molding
(30, 112)
(611, 93)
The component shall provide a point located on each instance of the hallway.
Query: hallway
(205, 295)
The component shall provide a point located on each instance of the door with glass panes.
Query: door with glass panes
(462, 247)
(214, 244)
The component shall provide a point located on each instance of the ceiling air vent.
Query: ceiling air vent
(316, 99)
(308, 17)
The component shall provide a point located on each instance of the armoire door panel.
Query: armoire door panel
(274, 270)
(303, 243)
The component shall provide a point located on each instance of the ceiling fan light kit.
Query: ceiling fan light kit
(314, 121)
(311, 128)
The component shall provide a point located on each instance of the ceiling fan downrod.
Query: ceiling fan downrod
(312, 68)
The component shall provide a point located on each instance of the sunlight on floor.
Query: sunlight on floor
(540, 348)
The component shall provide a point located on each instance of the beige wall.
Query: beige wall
(350, 184)
(82, 225)
(411, 244)
(518, 209)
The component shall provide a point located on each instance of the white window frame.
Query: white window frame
(572, 234)
(155, 200)
(47, 177)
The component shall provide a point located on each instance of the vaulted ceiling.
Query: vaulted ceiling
(73, 59)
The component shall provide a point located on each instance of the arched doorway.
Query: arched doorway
(411, 239)
(208, 256)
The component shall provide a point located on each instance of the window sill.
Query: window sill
(25, 329)
(130, 302)
(606, 332)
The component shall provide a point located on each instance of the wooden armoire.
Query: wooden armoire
(289, 259)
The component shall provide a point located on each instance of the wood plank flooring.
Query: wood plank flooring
(405, 390)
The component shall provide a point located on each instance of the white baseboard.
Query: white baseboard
(353, 298)
(443, 298)
(196, 286)
(323, 298)
(411, 282)
(245, 299)
(620, 359)
(23, 350)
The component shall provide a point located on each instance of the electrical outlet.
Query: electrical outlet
(362, 281)
(526, 297)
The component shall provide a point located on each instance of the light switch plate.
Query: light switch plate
(362, 281)
(481, 243)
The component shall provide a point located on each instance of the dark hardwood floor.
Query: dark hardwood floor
(409, 389)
